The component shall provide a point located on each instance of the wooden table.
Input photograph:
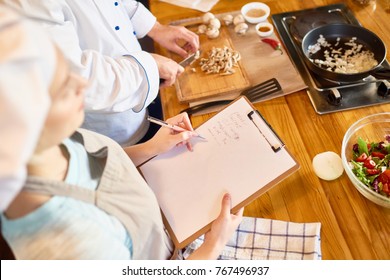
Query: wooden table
(352, 226)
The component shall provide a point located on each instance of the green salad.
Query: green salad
(370, 164)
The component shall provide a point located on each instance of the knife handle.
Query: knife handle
(200, 107)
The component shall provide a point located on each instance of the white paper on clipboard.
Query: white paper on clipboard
(235, 158)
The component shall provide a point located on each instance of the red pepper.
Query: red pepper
(273, 43)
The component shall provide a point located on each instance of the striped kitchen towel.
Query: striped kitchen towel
(265, 239)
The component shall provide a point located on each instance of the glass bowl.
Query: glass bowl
(372, 128)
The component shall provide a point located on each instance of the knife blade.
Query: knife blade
(187, 61)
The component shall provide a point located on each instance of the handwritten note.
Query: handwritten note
(227, 131)
(235, 158)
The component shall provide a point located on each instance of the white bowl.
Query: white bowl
(255, 12)
(372, 128)
(264, 29)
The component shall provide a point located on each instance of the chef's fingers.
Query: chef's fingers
(179, 50)
(169, 77)
(191, 38)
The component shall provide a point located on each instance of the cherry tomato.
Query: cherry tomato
(387, 173)
(369, 163)
(362, 157)
(384, 177)
(378, 155)
(386, 188)
(372, 171)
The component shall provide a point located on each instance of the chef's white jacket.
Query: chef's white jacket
(100, 38)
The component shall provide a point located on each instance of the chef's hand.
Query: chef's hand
(166, 138)
(177, 39)
(168, 70)
(221, 231)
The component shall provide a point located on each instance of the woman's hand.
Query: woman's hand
(166, 138)
(225, 225)
(221, 230)
(168, 69)
(170, 37)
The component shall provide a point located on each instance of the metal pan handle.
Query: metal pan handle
(381, 73)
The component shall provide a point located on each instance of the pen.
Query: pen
(172, 126)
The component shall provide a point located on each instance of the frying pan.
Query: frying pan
(345, 32)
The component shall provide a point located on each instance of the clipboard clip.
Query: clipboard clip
(267, 131)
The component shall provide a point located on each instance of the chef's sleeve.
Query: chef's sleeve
(116, 84)
(141, 18)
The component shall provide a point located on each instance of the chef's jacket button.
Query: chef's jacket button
(117, 27)
(116, 3)
(134, 33)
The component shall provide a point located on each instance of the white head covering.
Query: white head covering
(27, 66)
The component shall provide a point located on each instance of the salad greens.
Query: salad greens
(370, 164)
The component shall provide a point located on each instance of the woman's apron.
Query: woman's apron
(122, 193)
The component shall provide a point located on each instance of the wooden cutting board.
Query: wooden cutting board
(194, 86)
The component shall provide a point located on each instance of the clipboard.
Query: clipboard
(242, 155)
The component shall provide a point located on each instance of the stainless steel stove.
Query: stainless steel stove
(325, 95)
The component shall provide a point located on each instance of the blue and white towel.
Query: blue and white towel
(265, 239)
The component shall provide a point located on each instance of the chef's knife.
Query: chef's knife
(187, 61)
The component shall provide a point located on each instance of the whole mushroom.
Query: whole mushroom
(207, 17)
(214, 23)
(241, 28)
(202, 28)
(238, 19)
(228, 19)
(212, 33)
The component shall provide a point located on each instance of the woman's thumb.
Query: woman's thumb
(226, 204)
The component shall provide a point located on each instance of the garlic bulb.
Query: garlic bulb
(202, 28)
(212, 33)
(214, 23)
(241, 28)
(207, 17)
(228, 19)
(238, 19)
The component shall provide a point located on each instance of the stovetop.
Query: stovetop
(327, 96)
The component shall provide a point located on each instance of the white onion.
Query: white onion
(328, 166)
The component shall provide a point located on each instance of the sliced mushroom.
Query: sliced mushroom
(197, 54)
(220, 60)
